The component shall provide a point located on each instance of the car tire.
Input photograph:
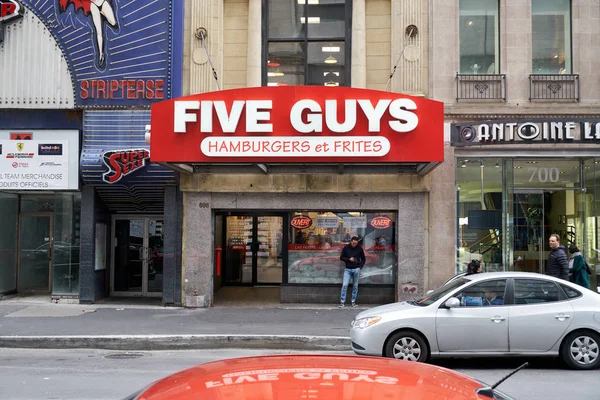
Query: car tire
(581, 350)
(407, 345)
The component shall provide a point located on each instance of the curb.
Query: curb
(178, 342)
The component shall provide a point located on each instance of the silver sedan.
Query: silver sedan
(488, 314)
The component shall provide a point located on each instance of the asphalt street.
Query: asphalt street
(103, 375)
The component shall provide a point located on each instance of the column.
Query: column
(206, 14)
(358, 69)
(410, 47)
(253, 72)
(170, 245)
(87, 251)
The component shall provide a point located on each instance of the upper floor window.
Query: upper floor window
(307, 42)
(479, 37)
(551, 36)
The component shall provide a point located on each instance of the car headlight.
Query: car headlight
(365, 322)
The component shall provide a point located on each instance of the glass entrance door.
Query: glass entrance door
(269, 253)
(137, 257)
(36, 252)
(539, 213)
(529, 238)
(253, 249)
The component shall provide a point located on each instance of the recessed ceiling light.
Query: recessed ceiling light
(331, 49)
(309, 2)
(331, 72)
(311, 20)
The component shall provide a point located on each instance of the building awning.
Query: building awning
(298, 129)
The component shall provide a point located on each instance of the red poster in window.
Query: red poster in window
(292, 124)
(301, 222)
(21, 136)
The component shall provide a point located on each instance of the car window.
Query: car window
(483, 294)
(534, 291)
(570, 292)
(441, 292)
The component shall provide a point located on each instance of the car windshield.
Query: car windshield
(440, 292)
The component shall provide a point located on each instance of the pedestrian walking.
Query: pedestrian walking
(558, 263)
(578, 268)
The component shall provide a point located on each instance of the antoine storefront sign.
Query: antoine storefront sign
(526, 132)
(292, 124)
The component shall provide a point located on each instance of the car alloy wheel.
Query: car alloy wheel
(584, 350)
(408, 346)
(407, 349)
(581, 350)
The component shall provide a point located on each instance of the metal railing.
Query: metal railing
(481, 87)
(554, 87)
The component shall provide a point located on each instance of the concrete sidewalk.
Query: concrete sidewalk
(138, 327)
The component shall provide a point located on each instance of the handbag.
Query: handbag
(587, 266)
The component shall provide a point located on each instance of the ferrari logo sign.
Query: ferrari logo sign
(10, 10)
(20, 146)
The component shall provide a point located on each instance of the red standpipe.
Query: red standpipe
(218, 260)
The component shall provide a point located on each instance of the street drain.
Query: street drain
(123, 356)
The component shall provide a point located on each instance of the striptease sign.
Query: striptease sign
(297, 124)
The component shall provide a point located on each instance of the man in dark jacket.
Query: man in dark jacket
(558, 262)
(354, 257)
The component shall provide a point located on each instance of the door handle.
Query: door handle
(498, 319)
(562, 317)
(141, 253)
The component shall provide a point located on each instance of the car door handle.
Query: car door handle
(562, 317)
(498, 319)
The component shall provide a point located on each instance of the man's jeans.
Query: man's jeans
(353, 274)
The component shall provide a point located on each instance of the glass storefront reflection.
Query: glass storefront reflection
(591, 204)
(65, 261)
(9, 206)
(35, 253)
(507, 209)
(269, 254)
(155, 255)
(480, 204)
(315, 246)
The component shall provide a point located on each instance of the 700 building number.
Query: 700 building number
(544, 174)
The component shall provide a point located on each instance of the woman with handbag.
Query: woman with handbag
(578, 268)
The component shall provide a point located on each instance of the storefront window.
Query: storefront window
(551, 36)
(592, 222)
(479, 211)
(306, 43)
(43, 203)
(546, 201)
(9, 207)
(317, 238)
(508, 208)
(65, 260)
(479, 37)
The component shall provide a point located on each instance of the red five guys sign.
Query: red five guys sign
(297, 124)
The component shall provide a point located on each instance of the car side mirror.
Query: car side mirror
(429, 291)
(452, 302)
